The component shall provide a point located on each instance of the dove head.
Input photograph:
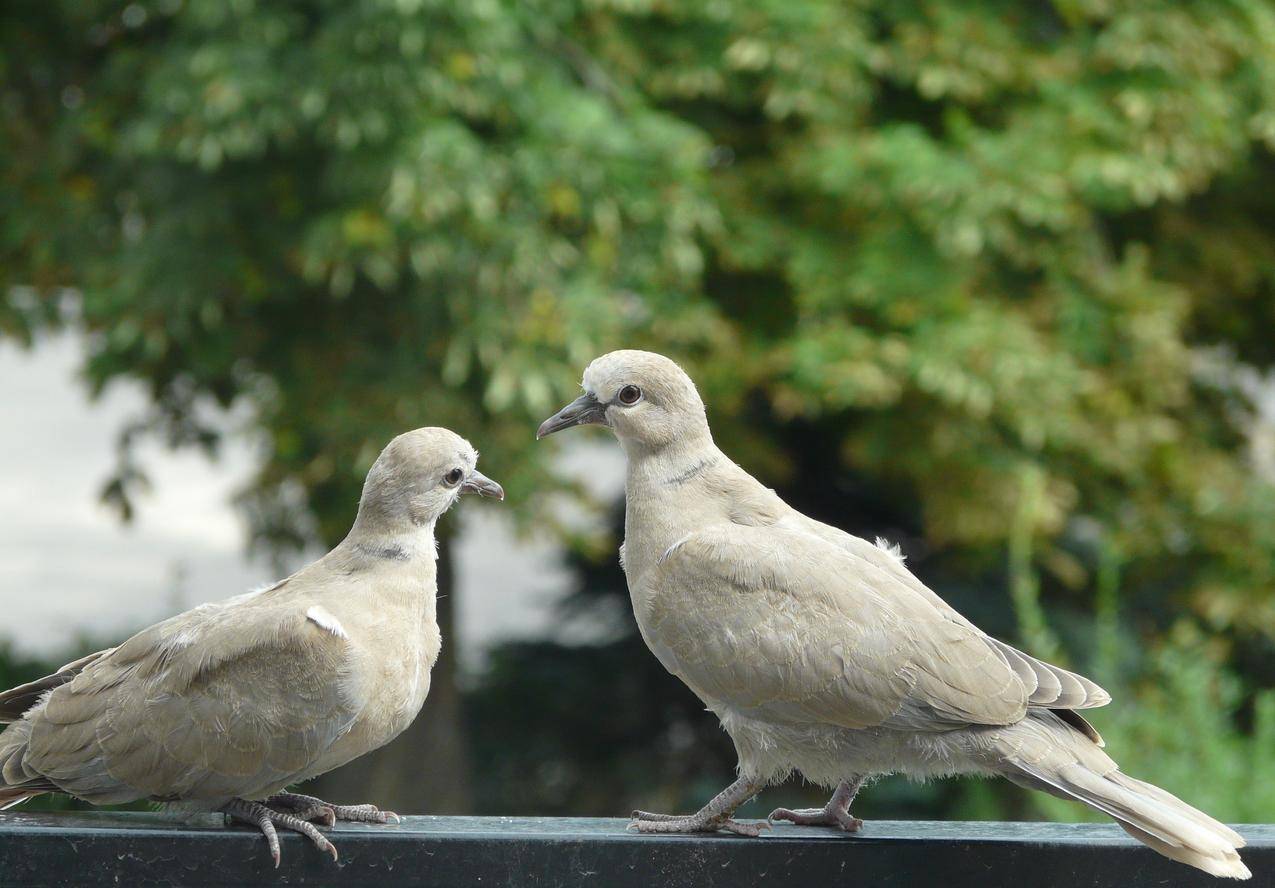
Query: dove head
(417, 477)
(646, 399)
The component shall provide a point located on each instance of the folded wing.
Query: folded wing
(1048, 685)
(218, 702)
(788, 627)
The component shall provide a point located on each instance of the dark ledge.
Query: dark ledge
(154, 849)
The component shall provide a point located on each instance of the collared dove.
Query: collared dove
(821, 652)
(222, 707)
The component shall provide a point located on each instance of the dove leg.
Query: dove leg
(714, 816)
(835, 813)
(308, 807)
(265, 819)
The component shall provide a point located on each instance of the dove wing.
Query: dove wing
(1048, 685)
(16, 701)
(221, 701)
(787, 627)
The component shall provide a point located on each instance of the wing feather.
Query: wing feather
(1049, 685)
(213, 703)
(785, 626)
(15, 702)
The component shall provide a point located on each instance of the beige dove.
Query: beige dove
(821, 653)
(222, 707)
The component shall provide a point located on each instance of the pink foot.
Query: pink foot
(835, 817)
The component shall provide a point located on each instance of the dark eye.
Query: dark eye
(452, 478)
(630, 395)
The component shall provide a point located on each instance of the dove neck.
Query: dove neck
(666, 492)
(395, 575)
(664, 442)
(377, 543)
(673, 463)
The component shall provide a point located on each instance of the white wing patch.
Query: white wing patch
(892, 549)
(321, 617)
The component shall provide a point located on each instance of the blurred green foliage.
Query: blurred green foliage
(996, 278)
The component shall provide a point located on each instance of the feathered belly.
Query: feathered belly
(827, 754)
(396, 706)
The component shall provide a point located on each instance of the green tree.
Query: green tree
(994, 271)
(358, 218)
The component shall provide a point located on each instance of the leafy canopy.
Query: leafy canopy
(1012, 263)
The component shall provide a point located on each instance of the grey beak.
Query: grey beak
(480, 484)
(583, 410)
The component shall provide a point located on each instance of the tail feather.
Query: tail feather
(15, 702)
(11, 796)
(1050, 685)
(1043, 753)
(1168, 798)
(1223, 867)
(17, 783)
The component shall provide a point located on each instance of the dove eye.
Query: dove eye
(452, 478)
(630, 395)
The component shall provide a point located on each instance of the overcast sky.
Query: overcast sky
(68, 567)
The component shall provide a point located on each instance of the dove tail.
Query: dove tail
(10, 796)
(15, 702)
(17, 784)
(1042, 752)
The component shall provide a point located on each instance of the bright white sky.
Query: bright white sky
(68, 567)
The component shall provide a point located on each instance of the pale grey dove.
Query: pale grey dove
(222, 707)
(821, 653)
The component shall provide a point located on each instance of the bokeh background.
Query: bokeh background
(995, 280)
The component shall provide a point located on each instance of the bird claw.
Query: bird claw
(752, 830)
(364, 814)
(272, 841)
(319, 813)
(834, 817)
(320, 841)
(309, 807)
(266, 819)
(647, 815)
(670, 823)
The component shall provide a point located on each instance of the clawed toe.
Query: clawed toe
(842, 820)
(319, 839)
(752, 830)
(647, 815)
(319, 814)
(311, 808)
(266, 819)
(363, 814)
(645, 822)
(713, 817)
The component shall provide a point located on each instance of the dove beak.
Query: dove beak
(480, 484)
(583, 410)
